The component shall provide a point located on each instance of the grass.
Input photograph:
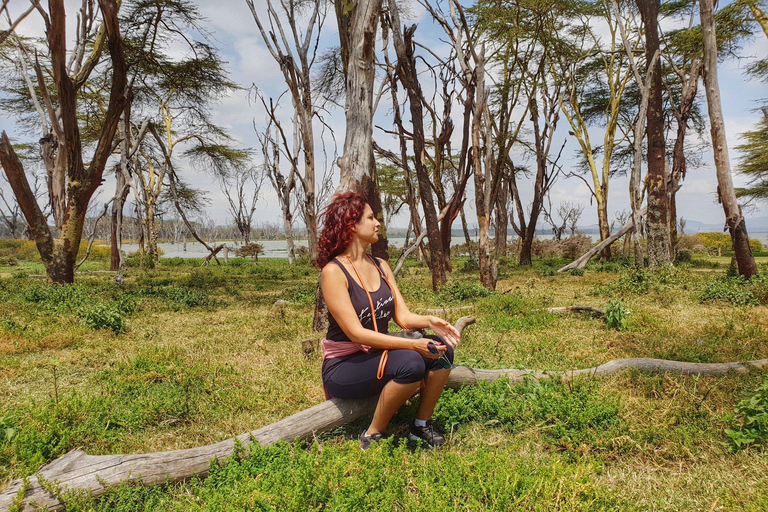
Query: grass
(202, 354)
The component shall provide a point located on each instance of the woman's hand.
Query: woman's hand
(445, 330)
(422, 347)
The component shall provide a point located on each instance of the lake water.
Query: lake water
(276, 248)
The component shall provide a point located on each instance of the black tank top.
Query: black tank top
(383, 303)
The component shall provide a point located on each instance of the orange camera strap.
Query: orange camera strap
(384, 354)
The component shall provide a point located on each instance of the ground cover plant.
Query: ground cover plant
(181, 356)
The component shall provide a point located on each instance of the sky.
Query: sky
(234, 32)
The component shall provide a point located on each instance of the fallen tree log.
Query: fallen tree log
(576, 309)
(445, 311)
(581, 262)
(95, 474)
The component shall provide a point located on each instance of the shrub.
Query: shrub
(251, 250)
(203, 278)
(470, 266)
(9, 261)
(568, 248)
(733, 290)
(750, 420)
(25, 250)
(756, 244)
(577, 272)
(683, 256)
(460, 249)
(715, 240)
(616, 315)
(302, 254)
(459, 291)
(103, 316)
(139, 260)
(691, 243)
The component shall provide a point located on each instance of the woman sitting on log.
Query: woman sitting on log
(359, 359)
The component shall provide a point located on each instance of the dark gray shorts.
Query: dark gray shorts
(354, 376)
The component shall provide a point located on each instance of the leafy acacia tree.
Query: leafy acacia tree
(754, 160)
(173, 98)
(71, 178)
(595, 73)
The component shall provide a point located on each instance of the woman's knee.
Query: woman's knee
(407, 366)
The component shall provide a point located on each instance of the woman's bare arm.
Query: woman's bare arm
(414, 321)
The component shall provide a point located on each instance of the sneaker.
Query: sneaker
(429, 433)
(366, 439)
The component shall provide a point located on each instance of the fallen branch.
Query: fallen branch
(577, 309)
(78, 471)
(407, 251)
(444, 311)
(582, 261)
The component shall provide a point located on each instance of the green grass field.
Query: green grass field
(181, 356)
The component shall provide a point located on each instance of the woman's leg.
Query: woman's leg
(428, 397)
(356, 378)
(433, 387)
(392, 397)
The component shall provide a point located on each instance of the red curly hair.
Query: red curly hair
(339, 219)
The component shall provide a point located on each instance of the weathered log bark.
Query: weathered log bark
(582, 261)
(726, 194)
(445, 311)
(78, 471)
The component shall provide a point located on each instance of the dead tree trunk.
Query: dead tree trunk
(297, 73)
(406, 71)
(726, 194)
(581, 262)
(679, 164)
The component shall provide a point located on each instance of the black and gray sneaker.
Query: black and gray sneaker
(366, 439)
(429, 433)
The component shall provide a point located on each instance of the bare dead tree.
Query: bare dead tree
(477, 126)
(10, 213)
(274, 142)
(408, 76)
(568, 213)
(296, 52)
(242, 187)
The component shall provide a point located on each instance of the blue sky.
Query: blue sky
(240, 44)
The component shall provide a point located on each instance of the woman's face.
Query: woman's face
(367, 228)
